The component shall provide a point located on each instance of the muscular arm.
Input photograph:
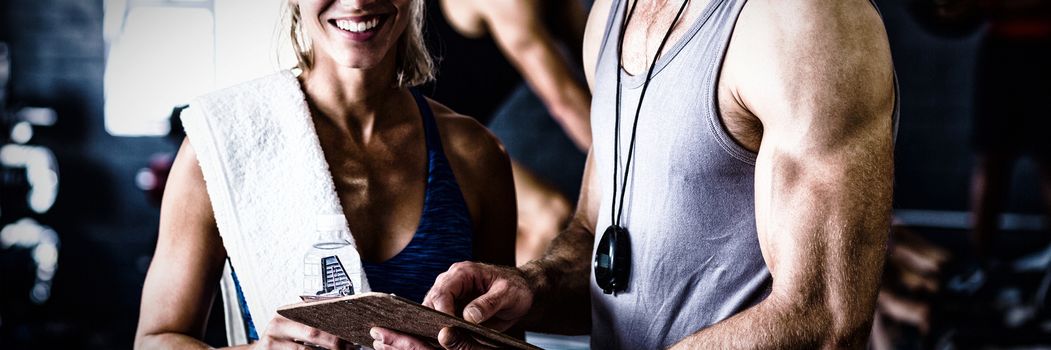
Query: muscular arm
(547, 294)
(181, 283)
(824, 171)
(519, 31)
(560, 278)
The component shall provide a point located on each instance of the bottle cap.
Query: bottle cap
(331, 222)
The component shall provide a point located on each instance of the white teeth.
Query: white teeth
(357, 27)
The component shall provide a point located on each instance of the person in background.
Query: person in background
(1011, 114)
(421, 186)
(543, 123)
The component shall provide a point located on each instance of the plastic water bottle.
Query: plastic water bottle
(331, 265)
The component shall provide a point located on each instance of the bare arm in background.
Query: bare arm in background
(819, 77)
(519, 30)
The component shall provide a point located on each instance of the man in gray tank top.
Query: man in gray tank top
(757, 198)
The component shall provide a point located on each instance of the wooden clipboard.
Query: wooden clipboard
(351, 318)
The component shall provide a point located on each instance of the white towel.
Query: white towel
(267, 179)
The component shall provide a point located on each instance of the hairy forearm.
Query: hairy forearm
(560, 284)
(777, 323)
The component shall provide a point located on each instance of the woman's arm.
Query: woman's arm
(496, 236)
(483, 171)
(181, 283)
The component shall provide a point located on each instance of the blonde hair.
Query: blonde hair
(414, 65)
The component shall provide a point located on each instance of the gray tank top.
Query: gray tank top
(689, 207)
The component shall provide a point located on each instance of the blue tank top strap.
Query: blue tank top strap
(430, 126)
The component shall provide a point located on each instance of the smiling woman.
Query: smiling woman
(421, 187)
(414, 64)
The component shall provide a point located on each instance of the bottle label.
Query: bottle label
(331, 279)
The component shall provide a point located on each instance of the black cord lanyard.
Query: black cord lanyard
(618, 208)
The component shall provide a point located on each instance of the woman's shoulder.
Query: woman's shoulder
(258, 110)
(467, 140)
(269, 97)
(260, 89)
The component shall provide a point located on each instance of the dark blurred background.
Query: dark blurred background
(106, 224)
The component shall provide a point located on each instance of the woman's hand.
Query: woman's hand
(284, 333)
(448, 338)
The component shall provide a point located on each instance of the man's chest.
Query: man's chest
(643, 38)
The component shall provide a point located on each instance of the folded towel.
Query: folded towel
(267, 179)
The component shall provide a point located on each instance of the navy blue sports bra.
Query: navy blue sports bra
(445, 232)
(443, 237)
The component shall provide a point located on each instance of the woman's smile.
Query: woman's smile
(359, 28)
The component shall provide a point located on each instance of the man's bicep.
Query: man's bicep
(817, 209)
(825, 167)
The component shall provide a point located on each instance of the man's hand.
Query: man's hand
(504, 298)
(552, 290)
(505, 294)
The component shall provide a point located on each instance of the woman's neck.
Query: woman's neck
(357, 101)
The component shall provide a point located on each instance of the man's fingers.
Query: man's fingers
(485, 306)
(449, 286)
(451, 339)
(441, 301)
(384, 339)
(505, 296)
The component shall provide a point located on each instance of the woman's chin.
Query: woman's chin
(355, 61)
(360, 64)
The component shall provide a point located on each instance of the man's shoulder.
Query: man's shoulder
(809, 20)
(808, 37)
(808, 52)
